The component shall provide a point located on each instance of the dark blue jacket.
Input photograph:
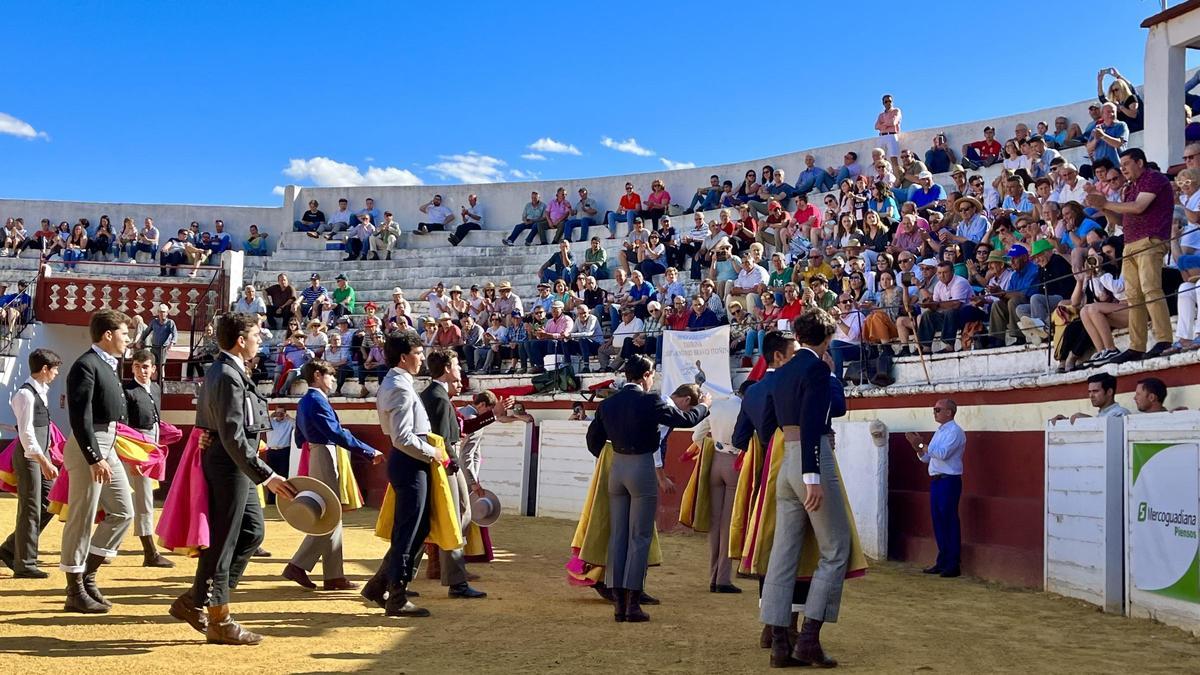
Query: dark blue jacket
(802, 398)
(630, 420)
(757, 415)
(707, 319)
(316, 422)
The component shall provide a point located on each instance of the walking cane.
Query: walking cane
(920, 353)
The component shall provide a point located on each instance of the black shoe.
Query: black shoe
(7, 559)
(465, 591)
(950, 574)
(31, 573)
(506, 242)
(933, 569)
(349, 258)
(1157, 350)
(453, 240)
(647, 599)
(375, 590)
(1128, 356)
(726, 588)
(398, 604)
(374, 255)
(389, 255)
(261, 552)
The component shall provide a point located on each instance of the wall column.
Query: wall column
(1163, 98)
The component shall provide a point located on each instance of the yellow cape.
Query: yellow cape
(695, 509)
(758, 534)
(444, 528)
(591, 534)
(351, 496)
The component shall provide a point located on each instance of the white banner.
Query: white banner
(1162, 515)
(697, 357)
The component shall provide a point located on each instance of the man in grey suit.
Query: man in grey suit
(403, 417)
(806, 497)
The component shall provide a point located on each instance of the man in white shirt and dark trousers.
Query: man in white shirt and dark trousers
(279, 445)
(944, 455)
(32, 466)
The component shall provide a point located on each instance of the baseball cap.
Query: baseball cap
(928, 262)
(557, 304)
(315, 276)
(1017, 251)
(1041, 246)
(340, 277)
(924, 174)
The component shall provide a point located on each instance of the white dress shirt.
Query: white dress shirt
(280, 435)
(108, 358)
(945, 452)
(722, 416)
(22, 405)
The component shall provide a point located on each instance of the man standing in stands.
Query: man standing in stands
(231, 415)
(95, 404)
(1145, 214)
(160, 335)
(437, 216)
(944, 455)
(1102, 392)
(888, 126)
(32, 466)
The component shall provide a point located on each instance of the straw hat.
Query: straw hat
(316, 510)
(485, 509)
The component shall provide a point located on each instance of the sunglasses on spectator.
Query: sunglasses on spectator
(937, 409)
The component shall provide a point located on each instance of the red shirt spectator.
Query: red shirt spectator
(631, 201)
(987, 148)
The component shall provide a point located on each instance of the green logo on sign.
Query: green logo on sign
(1142, 512)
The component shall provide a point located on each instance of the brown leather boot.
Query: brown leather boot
(433, 562)
(150, 555)
(94, 561)
(338, 584)
(633, 607)
(223, 630)
(764, 640)
(780, 649)
(620, 604)
(808, 650)
(184, 608)
(793, 632)
(78, 599)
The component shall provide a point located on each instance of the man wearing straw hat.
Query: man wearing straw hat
(232, 415)
(317, 424)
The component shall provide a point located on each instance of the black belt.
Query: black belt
(887, 133)
(940, 476)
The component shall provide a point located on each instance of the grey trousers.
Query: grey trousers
(454, 563)
(322, 465)
(143, 496)
(722, 486)
(33, 499)
(633, 503)
(831, 526)
(86, 497)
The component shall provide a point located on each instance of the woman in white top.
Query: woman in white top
(1013, 159)
(315, 339)
(1188, 182)
(1104, 306)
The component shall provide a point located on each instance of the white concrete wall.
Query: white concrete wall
(505, 456)
(564, 469)
(1084, 552)
(863, 462)
(1180, 427)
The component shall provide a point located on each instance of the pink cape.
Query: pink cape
(183, 524)
(154, 468)
(57, 441)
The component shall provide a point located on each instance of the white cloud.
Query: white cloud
(19, 128)
(470, 168)
(524, 175)
(326, 172)
(629, 145)
(533, 156)
(675, 166)
(277, 190)
(547, 144)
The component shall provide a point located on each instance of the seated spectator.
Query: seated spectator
(343, 297)
(75, 248)
(359, 238)
(946, 310)
(147, 241)
(748, 189)
(913, 168)
(369, 211)
(518, 343)
(702, 316)
(812, 178)
(627, 210)
(342, 219)
(283, 302)
(652, 258)
(595, 261)
(1122, 95)
(386, 237)
(1009, 295)
(584, 215)
(449, 336)
(311, 221)
(15, 237)
(1054, 284)
(1016, 200)
(315, 339)
(586, 337)
(249, 302)
(533, 218)
(750, 283)
(706, 198)
(847, 337)
(670, 288)
(778, 189)
(725, 269)
(473, 346)
(850, 169)
(472, 219)
(256, 243)
(435, 216)
(939, 157)
(310, 297)
(641, 292)
(126, 240)
(16, 308)
(635, 240)
(626, 329)
(656, 204)
(1097, 306)
(557, 213)
(711, 300)
(100, 244)
(292, 359)
(561, 265)
(221, 240)
(58, 243)
(982, 153)
(457, 306)
(1070, 185)
(704, 249)
(495, 346)
(926, 194)
(338, 356)
(203, 353)
(562, 293)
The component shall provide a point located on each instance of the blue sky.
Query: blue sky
(219, 102)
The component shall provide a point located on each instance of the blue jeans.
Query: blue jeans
(613, 218)
(754, 340)
(842, 351)
(533, 231)
(944, 493)
(570, 225)
(71, 256)
(710, 200)
(649, 268)
(598, 272)
(821, 182)
(550, 276)
(539, 349)
(301, 226)
(146, 248)
(259, 249)
(842, 174)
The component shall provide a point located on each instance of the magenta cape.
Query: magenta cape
(8, 480)
(183, 524)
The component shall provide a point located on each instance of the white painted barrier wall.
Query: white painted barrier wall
(1167, 428)
(1084, 533)
(863, 462)
(504, 458)
(564, 469)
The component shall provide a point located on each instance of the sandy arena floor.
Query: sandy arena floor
(894, 620)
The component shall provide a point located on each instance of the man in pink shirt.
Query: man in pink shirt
(947, 310)
(888, 126)
(557, 212)
(553, 336)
